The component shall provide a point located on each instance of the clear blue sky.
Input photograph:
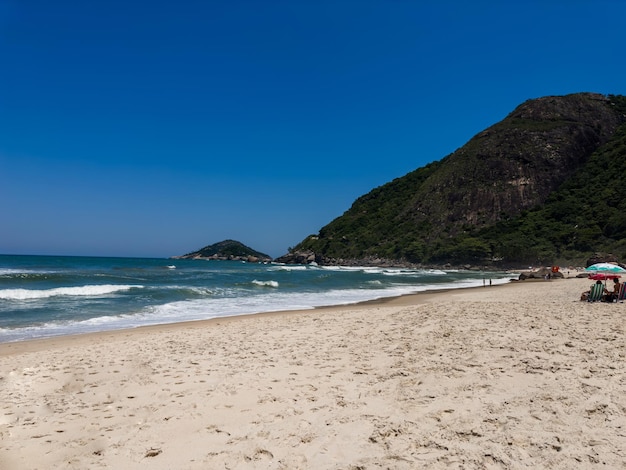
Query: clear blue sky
(154, 128)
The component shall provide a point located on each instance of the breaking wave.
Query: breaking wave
(82, 291)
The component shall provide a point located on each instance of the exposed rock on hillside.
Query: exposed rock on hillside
(515, 164)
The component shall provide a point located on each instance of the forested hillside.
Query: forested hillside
(545, 185)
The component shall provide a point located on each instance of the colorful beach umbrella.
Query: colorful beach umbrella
(605, 268)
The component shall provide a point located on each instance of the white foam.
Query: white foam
(265, 283)
(23, 272)
(9, 272)
(348, 268)
(386, 271)
(221, 304)
(89, 290)
(284, 267)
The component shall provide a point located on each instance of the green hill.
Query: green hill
(545, 185)
(228, 250)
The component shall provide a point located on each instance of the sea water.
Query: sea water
(44, 296)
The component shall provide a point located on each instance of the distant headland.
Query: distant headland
(227, 250)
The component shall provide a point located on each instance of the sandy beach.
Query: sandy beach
(504, 377)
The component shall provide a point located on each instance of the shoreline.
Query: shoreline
(155, 302)
(37, 344)
(519, 375)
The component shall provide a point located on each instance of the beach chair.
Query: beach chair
(622, 293)
(595, 293)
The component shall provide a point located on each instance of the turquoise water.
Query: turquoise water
(43, 296)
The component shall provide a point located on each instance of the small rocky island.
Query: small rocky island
(228, 250)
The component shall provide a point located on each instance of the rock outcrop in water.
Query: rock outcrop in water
(228, 250)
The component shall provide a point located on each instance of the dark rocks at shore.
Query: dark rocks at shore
(297, 257)
(541, 273)
(310, 257)
(603, 258)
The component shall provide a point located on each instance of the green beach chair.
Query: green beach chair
(595, 293)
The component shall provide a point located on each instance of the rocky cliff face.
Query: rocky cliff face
(515, 164)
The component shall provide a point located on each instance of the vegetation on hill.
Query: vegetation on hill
(545, 185)
(228, 249)
(586, 214)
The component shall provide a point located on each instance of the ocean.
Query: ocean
(45, 296)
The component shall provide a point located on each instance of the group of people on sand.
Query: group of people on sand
(607, 296)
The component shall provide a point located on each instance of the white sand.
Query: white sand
(503, 377)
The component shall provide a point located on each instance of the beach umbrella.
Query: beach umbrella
(605, 268)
